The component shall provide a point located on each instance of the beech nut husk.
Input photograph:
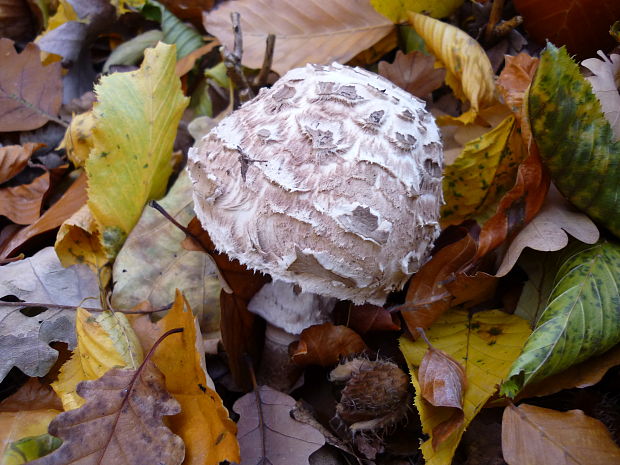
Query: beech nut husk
(330, 179)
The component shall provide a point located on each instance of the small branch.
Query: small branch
(73, 307)
(232, 61)
(263, 75)
(504, 28)
(494, 17)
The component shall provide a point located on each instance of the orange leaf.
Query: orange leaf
(22, 204)
(368, 317)
(325, 344)
(442, 379)
(13, 159)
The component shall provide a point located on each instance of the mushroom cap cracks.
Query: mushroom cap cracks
(330, 179)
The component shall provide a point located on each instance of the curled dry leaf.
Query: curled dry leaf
(325, 345)
(368, 317)
(442, 379)
(22, 204)
(268, 433)
(414, 72)
(14, 158)
(605, 87)
(548, 230)
(30, 93)
(122, 419)
(307, 31)
(539, 436)
(469, 71)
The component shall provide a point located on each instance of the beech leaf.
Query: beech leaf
(24, 341)
(268, 433)
(22, 204)
(563, 108)
(579, 321)
(30, 93)
(485, 344)
(468, 69)
(442, 379)
(325, 345)
(414, 72)
(122, 419)
(14, 158)
(548, 230)
(538, 435)
(396, 10)
(307, 31)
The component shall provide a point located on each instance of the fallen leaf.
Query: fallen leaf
(581, 25)
(19, 425)
(368, 317)
(604, 85)
(78, 141)
(103, 342)
(189, 10)
(70, 202)
(14, 158)
(131, 51)
(485, 344)
(268, 434)
(34, 395)
(136, 117)
(29, 448)
(548, 230)
(242, 331)
(185, 64)
(156, 241)
(325, 344)
(306, 31)
(538, 435)
(582, 375)
(563, 108)
(414, 72)
(122, 418)
(22, 204)
(24, 341)
(396, 10)
(442, 379)
(443, 282)
(468, 69)
(30, 93)
(515, 78)
(579, 321)
(16, 20)
(186, 38)
(203, 424)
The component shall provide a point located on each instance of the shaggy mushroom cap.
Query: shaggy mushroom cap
(331, 180)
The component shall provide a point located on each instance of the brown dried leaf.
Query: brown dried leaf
(515, 78)
(325, 344)
(22, 204)
(122, 421)
(16, 20)
(71, 201)
(241, 330)
(30, 93)
(189, 10)
(306, 31)
(368, 317)
(414, 72)
(442, 379)
(539, 436)
(34, 395)
(268, 434)
(13, 159)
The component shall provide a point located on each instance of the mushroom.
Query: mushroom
(330, 181)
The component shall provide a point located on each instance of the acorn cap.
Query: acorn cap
(330, 180)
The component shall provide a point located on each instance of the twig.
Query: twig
(504, 28)
(494, 17)
(263, 75)
(232, 61)
(73, 307)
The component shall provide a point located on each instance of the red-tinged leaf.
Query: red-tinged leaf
(325, 345)
(515, 78)
(414, 72)
(442, 379)
(22, 204)
(189, 10)
(535, 435)
(71, 201)
(448, 279)
(368, 317)
(242, 331)
(30, 93)
(582, 25)
(13, 159)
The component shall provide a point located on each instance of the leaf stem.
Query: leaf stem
(73, 307)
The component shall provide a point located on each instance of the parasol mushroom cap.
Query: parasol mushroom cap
(330, 179)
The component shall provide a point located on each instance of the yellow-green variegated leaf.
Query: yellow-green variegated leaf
(396, 10)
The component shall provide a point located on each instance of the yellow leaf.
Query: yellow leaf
(396, 10)
(103, 343)
(484, 171)
(18, 425)
(77, 141)
(135, 123)
(486, 344)
(203, 424)
(468, 69)
(64, 14)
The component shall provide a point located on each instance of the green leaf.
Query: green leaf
(130, 52)
(575, 139)
(176, 32)
(30, 448)
(581, 319)
(396, 10)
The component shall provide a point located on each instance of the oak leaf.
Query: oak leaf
(605, 87)
(30, 93)
(538, 435)
(307, 31)
(325, 345)
(268, 433)
(122, 419)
